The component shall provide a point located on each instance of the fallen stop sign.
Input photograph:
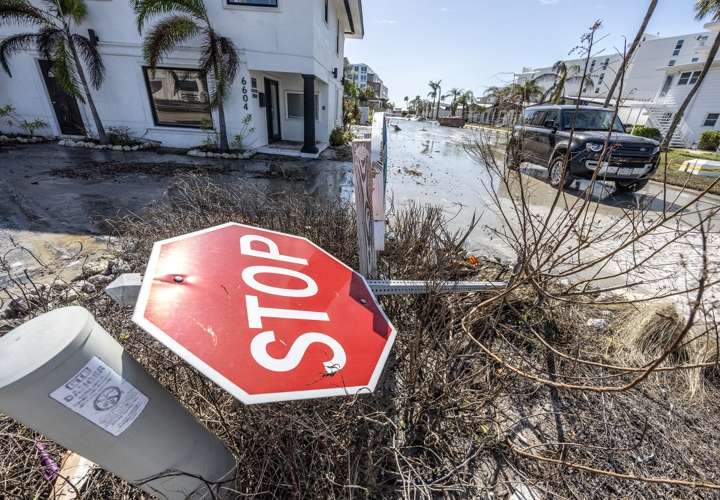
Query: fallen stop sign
(265, 315)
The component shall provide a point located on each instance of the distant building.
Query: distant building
(363, 77)
(658, 79)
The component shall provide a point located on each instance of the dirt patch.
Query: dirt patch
(104, 170)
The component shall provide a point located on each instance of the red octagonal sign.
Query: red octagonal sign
(267, 316)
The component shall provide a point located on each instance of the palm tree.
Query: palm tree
(560, 74)
(455, 93)
(528, 91)
(703, 9)
(467, 99)
(407, 102)
(633, 48)
(437, 109)
(434, 93)
(188, 19)
(57, 43)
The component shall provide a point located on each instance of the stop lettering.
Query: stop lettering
(267, 316)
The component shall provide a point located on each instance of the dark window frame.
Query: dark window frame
(302, 97)
(151, 102)
(327, 12)
(714, 117)
(337, 38)
(251, 3)
(683, 79)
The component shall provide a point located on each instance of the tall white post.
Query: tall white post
(65, 377)
(362, 170)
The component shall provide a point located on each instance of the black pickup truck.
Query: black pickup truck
(544, 138)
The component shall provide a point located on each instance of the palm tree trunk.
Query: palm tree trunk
(691, 95)
(631, 52)
(102, 136)
(222, 133)
(437, 113)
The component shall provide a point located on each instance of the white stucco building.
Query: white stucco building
(658, 79)
(288, 49)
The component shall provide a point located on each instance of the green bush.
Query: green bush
(649, 132)
(340, 137)
(710, 140)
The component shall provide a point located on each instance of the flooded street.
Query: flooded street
(429, 164)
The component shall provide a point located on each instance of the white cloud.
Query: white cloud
(549, 2)
(387, 21)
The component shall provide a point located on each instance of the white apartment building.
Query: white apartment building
(658, 79)
(363, 76)
(289, 49)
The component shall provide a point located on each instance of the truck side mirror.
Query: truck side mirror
(550, 124)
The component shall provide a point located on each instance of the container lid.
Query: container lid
(40, 342)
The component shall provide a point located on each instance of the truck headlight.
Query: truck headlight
(656, 150)
(594, 147)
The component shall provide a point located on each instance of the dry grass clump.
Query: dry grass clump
(645, 332)
(447, 420)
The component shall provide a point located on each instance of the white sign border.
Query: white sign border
(244, 397)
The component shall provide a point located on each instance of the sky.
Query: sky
(474, 44)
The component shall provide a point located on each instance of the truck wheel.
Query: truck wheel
(630, 186)
(556, 172)
(513, 157)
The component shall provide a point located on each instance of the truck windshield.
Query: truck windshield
(591, 119)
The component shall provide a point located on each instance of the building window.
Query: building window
(666, 86)
(695, 59)
(327, 11)
(179, 97)
(296, 105)
(605, 64)
(672, 63)
(254, 3)
(678, 46)
(689, 77)
(711, 119)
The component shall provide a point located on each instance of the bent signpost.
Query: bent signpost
(267, 316)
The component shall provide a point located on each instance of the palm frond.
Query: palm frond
(92, 59)
(14, 44)
(147, 9)
(63, 68)
(20, 12)
(166, 36)
(704, 8)
(75, 9)
(47, 38)
(220, 59)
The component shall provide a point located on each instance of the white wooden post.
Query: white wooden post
(65, 377)
(362, 174)
(378, 154)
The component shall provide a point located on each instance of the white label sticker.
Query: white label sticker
(102, 396)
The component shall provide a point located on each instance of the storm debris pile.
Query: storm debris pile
(447, 417)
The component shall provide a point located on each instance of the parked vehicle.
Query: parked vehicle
(598, 143)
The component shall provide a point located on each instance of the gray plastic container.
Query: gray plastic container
(56, 377)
